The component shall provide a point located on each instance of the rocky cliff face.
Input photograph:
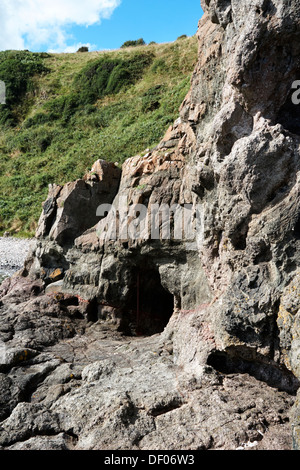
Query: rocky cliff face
(114, 339)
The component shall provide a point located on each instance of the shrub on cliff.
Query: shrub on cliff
(108, 76)
(152, 97)
(17, 70)
(83, 49)
(137, 42)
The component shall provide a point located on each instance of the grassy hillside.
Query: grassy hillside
(64, 111)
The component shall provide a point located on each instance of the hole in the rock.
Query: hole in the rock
(264, 253)
(226, 143)
(239, 236)
(149, 306)
(268, 7)
(92, 310)
(272, 374)
(239, 125)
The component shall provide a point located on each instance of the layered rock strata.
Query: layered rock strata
(112, 338)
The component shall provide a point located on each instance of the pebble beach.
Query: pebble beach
(13, 252)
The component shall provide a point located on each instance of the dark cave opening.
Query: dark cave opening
(273, 374)
(149, 307)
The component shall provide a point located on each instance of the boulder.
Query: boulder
(71, 210)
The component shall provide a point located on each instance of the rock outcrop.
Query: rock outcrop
(114, 336)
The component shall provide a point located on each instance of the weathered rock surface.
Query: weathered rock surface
(71, 210)
(113, 339)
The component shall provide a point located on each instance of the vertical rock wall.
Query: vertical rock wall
(233, 155)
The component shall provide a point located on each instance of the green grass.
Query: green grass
(67, 110)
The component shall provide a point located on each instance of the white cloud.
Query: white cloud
(74, 48)
(28, 24)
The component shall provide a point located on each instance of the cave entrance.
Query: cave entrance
(150, 306)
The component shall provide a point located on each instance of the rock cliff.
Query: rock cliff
(112, 338)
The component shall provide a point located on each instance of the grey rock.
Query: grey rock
(71, 210)
(25, 421)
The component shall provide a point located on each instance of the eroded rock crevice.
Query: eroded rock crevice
(273, 374)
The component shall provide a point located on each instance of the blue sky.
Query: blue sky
(65, 25)
(152, 20)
